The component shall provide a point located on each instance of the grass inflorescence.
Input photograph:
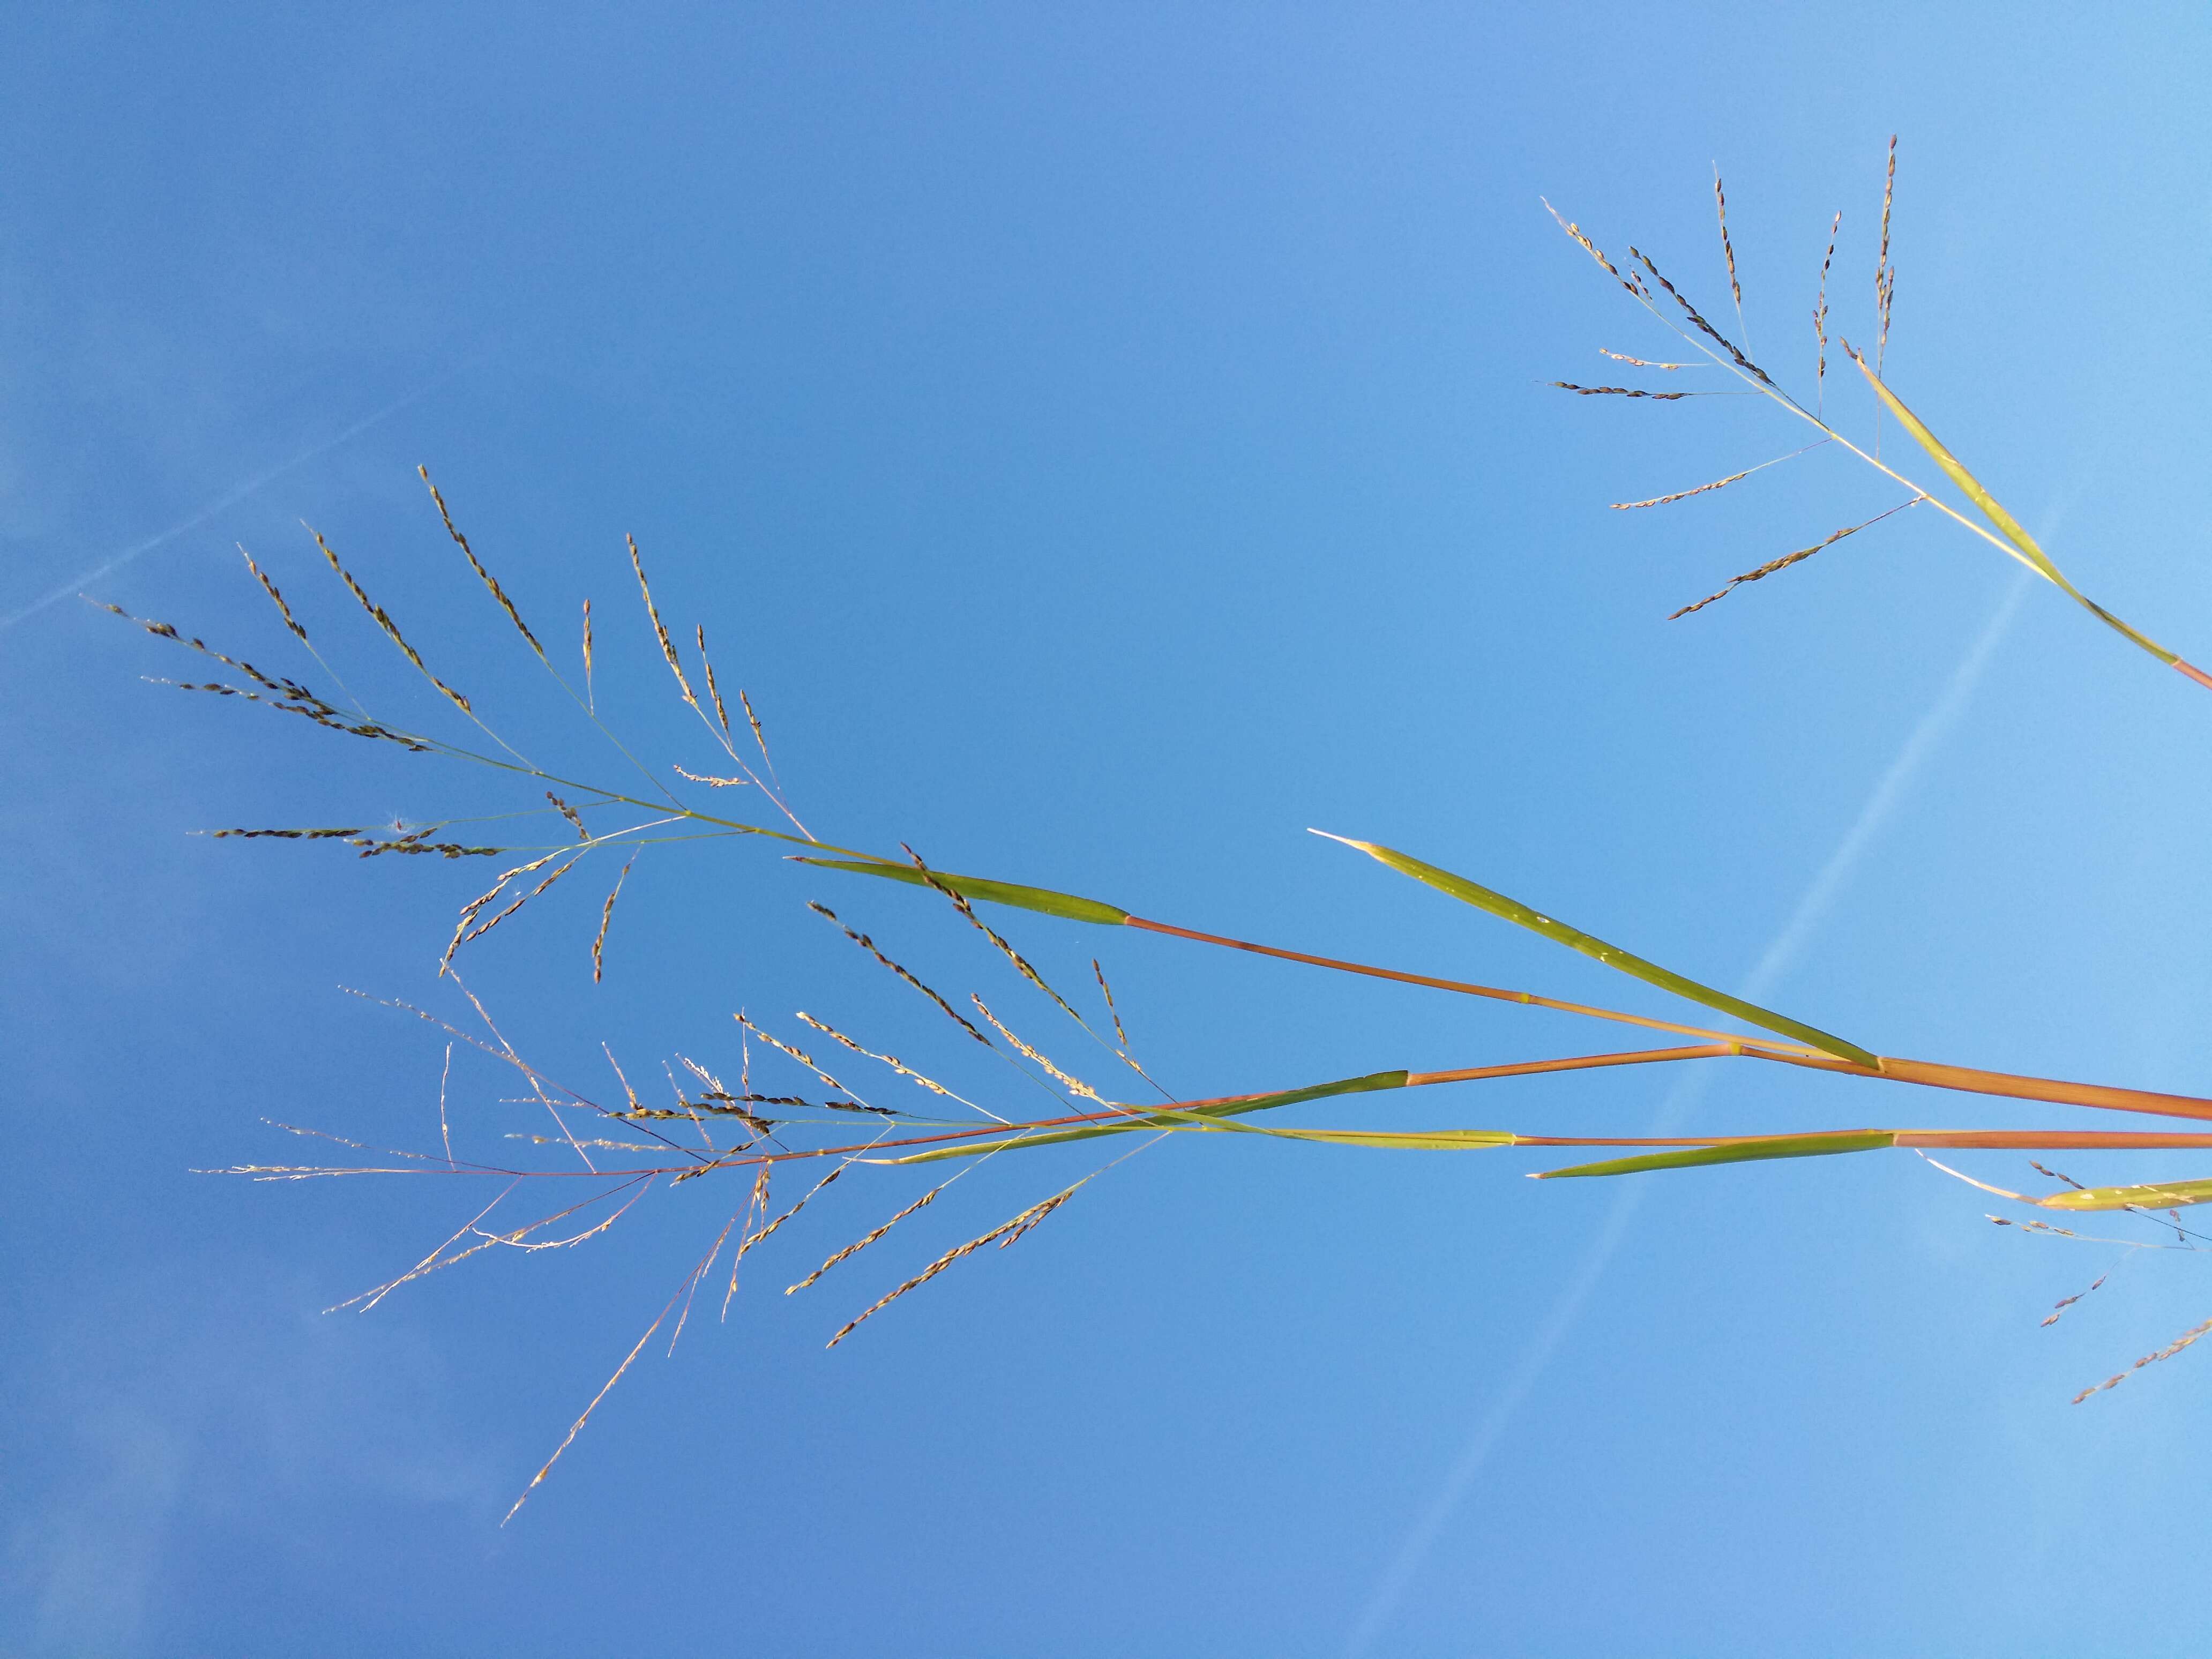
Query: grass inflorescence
(746, 1133)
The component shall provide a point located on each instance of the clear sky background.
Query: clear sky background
(1104, 442)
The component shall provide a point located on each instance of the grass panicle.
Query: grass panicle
(609, 1157)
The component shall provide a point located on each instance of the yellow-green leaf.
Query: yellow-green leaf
(2171, 1196)
(1156, 1118)
(2030, 551)
(1611, 955)
(1739, 1151)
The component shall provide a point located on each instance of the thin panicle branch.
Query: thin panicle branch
(606, 916)
(1021, 963)
(269, 588)
(1788, 559)
(869, 946)
(759, 737)
(1072, 1084)
(1626, 391)
(659, 629)
(862, 1243)
(1698, 322)
(712, 691)
(383, 620)
(1002, 1235)
(1820, 319)
(1717, 484)
(490, 581)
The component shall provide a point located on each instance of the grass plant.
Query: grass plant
(608, 1151)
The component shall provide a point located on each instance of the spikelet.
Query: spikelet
(860, 1244)
(1788, 559)
(1820, 307)
(1113, 1013)
(797, 1053)
(383, 620)
(1630, 281)
(1885, 274)
(599, 941)
(1621, 392)
(1021, 963)
(2166, 1352)
(1074, 1085)
(476, 564)
(869, 946)
(712, 691)
(659, 629)
(569, 813)
(269, 588)
(1640, 362)
(1705, 327)
(891, 1061)
(590, 702)
(1685, 494)
(1727, 249)
(759, 737)
(1002, 1235)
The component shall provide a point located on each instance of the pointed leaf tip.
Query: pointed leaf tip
(1611, 956)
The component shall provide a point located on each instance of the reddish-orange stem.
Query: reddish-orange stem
(2007, 1084)
(1495, 993)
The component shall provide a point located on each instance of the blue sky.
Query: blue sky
(1105, 444)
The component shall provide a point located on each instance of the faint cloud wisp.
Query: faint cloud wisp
(1780, 955)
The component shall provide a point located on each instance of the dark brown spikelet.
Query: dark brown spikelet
(284, 694)
(286, 834)
(759, 735)
(1821, 304)
(1621, 392)
(269, 588)
(1021, 963)
(1788, 559)
(1727, 248)
(588, 701)
(2059, 1308)
(570, 813)
(869, 946)
(659, 629)
(712, 691)
(446, 849)
(1113, 1013)
(476, 564)
(1698, 321)
(1885, 274)
(606, 915)
(1002, 1235)
(383, 620)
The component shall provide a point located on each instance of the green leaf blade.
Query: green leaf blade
(1611, 956)
(1824, 1144)
(1040, 899)
(2169, 1195)
(1164, 1119)
(2031, 552)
